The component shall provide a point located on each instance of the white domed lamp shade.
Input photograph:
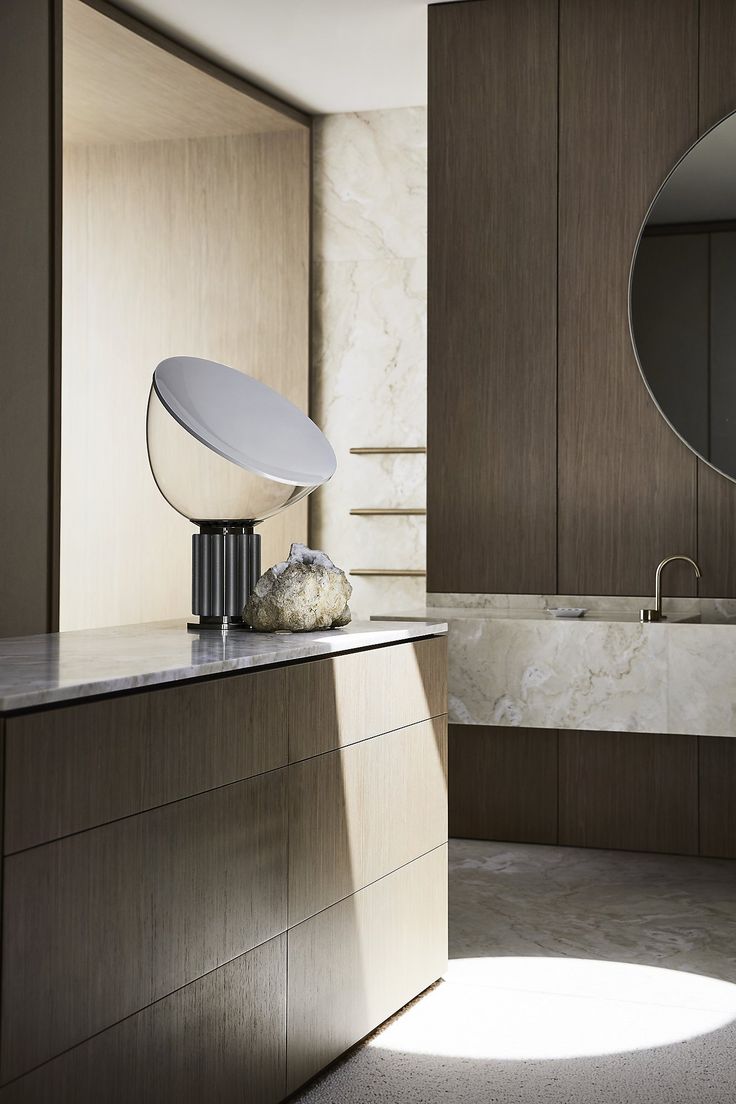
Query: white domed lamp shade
(227, 452)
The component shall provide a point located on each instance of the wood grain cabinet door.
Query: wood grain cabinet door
(220, 1040)
(358, 962)
(99, 925)
(637, 791)
(108, 759)
(717, 786)
(503, 783)
(335, 702)
(359, 813)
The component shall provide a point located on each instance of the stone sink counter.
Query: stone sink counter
(56, 667)
(606, 671)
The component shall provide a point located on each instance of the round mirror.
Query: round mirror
(682, 298)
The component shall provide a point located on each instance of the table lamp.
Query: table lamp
(227, 452)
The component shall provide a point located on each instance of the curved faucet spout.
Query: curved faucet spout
(656, 613)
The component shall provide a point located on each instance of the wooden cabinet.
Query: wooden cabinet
(357, 814)
(632, 790)
(637, 791)
(353, 965)
(221, 1039)
(353, 697)
(159, 846)
(717, 787)
(102, 923)
(503, 783)
(109, 759)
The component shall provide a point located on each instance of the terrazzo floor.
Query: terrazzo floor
(575, 976)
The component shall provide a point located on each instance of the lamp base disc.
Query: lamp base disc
(215, 625)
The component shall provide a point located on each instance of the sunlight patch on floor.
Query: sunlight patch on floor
(547, 1008)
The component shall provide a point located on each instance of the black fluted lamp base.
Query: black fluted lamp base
(226, 565)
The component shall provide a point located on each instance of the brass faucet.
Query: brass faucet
(656, 613)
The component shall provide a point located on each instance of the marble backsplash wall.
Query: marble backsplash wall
(369, 344)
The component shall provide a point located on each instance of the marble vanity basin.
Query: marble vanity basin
(707, 617)
(605, 671)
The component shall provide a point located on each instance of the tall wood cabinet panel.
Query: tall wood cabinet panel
(220, 1039)
(492, 296)
(628, 109)
(28, 232)
(717, 76)
(716, 494)
(100, 924)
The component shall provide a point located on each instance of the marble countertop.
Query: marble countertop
(57, 667)
(625, 616)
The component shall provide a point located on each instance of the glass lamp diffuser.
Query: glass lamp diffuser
(227, 452)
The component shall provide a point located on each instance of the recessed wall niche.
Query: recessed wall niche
(185, 215)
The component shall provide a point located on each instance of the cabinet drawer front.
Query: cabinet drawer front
(355, 964)
(206, 1042)
(339, 701)
(99, 925)
(359, 813)
(637, 791)
(78, 766)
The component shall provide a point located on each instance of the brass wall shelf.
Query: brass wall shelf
(409, 571)
(392, 511)
(386, 449)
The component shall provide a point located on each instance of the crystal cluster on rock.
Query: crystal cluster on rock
(302, 594)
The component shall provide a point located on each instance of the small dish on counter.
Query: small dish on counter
(566, 611)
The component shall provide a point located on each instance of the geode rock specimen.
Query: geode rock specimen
(304, 593)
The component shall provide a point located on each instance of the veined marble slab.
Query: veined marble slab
(369, 347)
(701, 669)
(598, 604)
(56, 667)
(606, 671)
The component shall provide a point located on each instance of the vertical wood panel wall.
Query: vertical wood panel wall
(27, 259)
(716, 495)
(635, 82)
(626, 483)
(492, 295)
(195, 246)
